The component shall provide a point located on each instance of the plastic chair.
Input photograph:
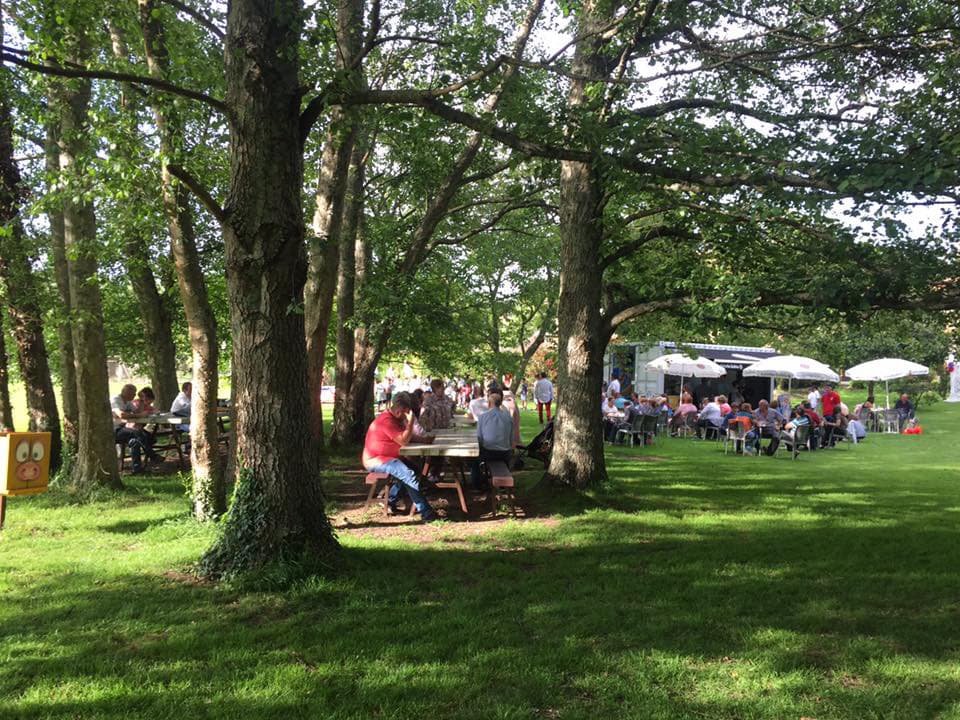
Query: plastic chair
(636, 427)
(649, 427)
(799, 440)
(736, 433)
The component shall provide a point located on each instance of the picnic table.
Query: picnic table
(456, 443)
(173, 430)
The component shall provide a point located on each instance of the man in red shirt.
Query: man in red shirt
(831, 407)
(831, 401)
(390, 431)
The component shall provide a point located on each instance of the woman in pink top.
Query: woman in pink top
(724, 405)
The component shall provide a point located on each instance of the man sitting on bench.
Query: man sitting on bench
(390, 431)
(494, 434)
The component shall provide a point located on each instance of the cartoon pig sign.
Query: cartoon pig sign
(24, 463)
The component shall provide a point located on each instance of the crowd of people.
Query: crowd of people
(827, 418)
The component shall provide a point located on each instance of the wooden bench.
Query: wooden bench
(501, 481)
(374, 479)
(164, 442)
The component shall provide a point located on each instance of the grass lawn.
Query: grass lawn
(696, 585)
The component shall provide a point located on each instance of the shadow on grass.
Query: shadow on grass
(606, 617)
(135, 527)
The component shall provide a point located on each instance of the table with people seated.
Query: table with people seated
(456, 443)
(174, 429)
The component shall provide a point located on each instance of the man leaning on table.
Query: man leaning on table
(390, 431)
(136, 438)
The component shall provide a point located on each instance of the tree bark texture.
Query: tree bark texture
(209, 487)
(6, 409)
(22, 293)
(277, 514)
(68, 374)
(328, 216)
(96, 463)
(577, 457)
(343, 430)
(157, 324)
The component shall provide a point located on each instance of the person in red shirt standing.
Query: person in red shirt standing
(390, 431)
(831, 406)
(831, 401)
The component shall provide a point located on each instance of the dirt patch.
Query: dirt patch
(185, 578)
(645, 458)
(348, 495)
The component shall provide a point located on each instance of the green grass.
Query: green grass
(698, 586)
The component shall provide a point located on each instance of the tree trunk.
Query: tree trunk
(577, 458)
(277, 514)
(343, 431)
(6, 409)
(157, 325)
(209, 488)
(870, 386)
(22, 293)
(328, 216)
(68, 373)
(96, 463)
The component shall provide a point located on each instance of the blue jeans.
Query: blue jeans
(408, 482)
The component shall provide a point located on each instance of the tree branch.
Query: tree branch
(200, 192)
(199, 17)
(161, 85)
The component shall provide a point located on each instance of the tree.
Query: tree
(21, 291)
(6, 409)
(277, 512)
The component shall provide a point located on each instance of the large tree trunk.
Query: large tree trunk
(343, 431)
(577, 458)
(6, 409)
(96, 463)
(21, 291)
(157, 325)
(68, 373)
(209, 488)
(277, 514)
(328, 216)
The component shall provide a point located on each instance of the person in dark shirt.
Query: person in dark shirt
(816, 425)
(905, 410)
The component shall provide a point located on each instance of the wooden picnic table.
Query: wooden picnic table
(456, 443)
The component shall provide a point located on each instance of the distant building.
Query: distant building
(629, 361)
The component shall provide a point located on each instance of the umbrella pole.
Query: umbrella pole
(887, 384)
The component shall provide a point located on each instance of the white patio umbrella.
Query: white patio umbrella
(884, 370)
(791, 367)
(686, 366)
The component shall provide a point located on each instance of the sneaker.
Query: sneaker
(136, 470)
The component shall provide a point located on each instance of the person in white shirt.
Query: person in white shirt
(613, 387)
(478, 406)
(813, 397)
(710, 416)
(181, 403)
(543, 394)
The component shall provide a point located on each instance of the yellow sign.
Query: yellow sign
(24, 463)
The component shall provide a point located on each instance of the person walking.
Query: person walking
(543, 394)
